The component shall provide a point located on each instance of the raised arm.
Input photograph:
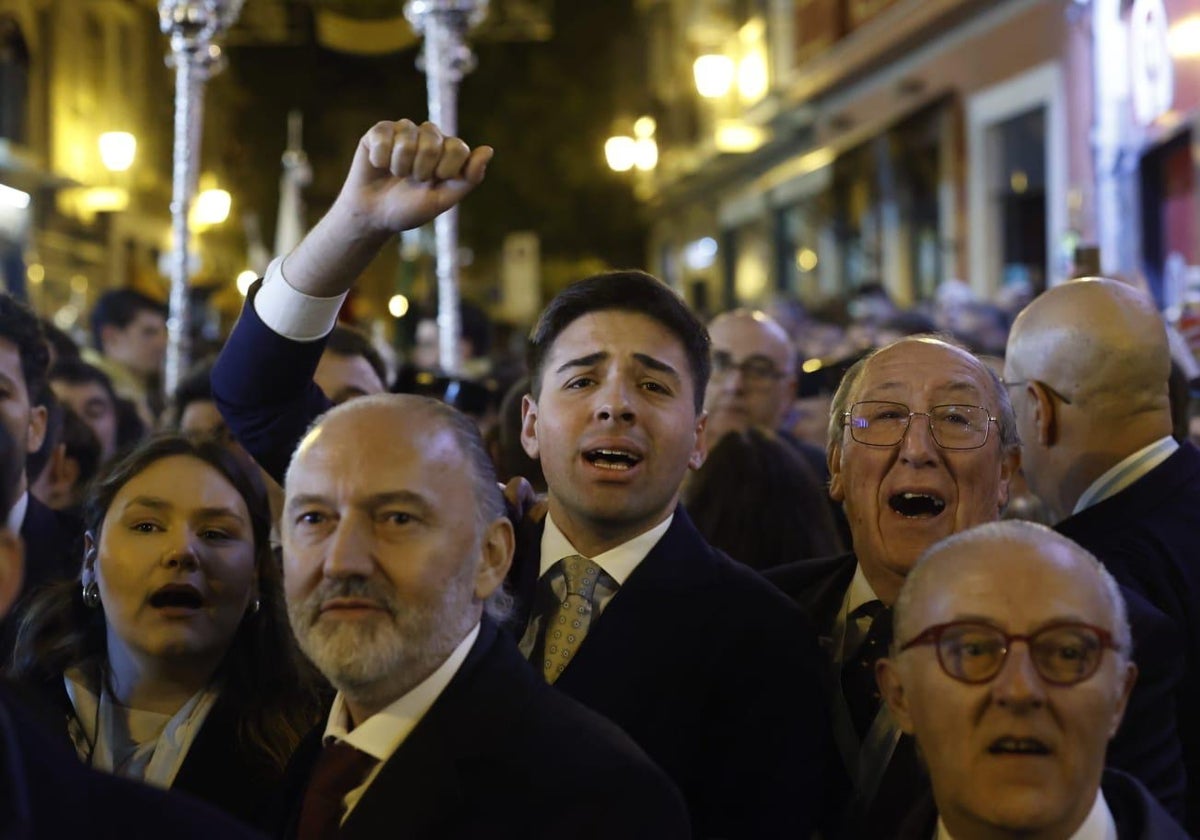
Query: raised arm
(402, 176)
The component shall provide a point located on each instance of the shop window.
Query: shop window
(1018, 195)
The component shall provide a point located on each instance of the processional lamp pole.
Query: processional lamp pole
(193, 26)
(446, 59)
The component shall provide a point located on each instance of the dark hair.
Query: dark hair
(196, 386)
(118, 307)
(347, 341)
(511, 459)
(264, 678)
(62, 345)
(757, 500)
(82, 446)
(75, 371)
(622, 291)
(19, 325)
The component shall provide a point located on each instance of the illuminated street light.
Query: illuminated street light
(117, 150)
(714, 75)
(245, 280)
(398, 306)
(621, 153)
(211, 207)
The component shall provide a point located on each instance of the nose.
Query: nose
(917, 446)
(1018, 686)
(183, 553)
(614, 402)
(349, 550)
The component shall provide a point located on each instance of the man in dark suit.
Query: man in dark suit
(395, 543)
(1010, 667)
(1088, 365)
(50, 537)
(706, 666)
(922, 445)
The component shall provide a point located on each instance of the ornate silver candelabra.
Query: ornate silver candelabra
(446, 59)
(193, 26)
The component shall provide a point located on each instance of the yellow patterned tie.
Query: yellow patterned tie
(568, 622)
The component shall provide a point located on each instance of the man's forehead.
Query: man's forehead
(1005, 580)
(926, 364)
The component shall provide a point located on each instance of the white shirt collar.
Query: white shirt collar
(618, 562)
(1099, 824)
(1126, 472)
(16, 516)
(382, 734)
(860, 591)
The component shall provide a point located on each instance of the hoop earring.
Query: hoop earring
(91, 595)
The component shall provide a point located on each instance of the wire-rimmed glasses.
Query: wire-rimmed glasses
(953, 426)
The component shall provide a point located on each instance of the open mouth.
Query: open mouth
(177, 595)
(1009, 745)
(612, 459)
(917, 505)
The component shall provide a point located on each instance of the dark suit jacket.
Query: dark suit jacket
(1148, 536)
(725, 703)
(53, 552)
(1137, 814)
(713, 674)
(216, 769)
(1147, 744)
(48, 794)
(502, 755)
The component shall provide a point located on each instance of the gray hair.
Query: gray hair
(489, 500)
(1027, 533)
(1006, 421)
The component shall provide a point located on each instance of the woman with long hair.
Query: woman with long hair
(170, 660)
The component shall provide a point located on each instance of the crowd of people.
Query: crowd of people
(306, 607)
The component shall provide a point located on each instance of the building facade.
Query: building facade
(1009, 145)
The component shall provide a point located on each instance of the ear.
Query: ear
(37, 428)
(529, 417)
(1126, 688)
(833, 458)
(1009, 464)
(887, 675)
(107, 333)
(1045, 419)
(12, 569)
(495, 556)
(90, 549)
(700, 446)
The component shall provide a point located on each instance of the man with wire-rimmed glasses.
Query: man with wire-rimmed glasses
(921, 445)
(1011, 668)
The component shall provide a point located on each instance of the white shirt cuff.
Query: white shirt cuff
(290, 312)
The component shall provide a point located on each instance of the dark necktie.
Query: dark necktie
(858, 671)
(339, 769)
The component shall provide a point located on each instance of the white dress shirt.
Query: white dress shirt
(382, 733)
(1099, 824)
(1129, 470)
(16, 516)
(290, 312)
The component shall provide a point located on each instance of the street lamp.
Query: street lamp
(117, 150)
(714, 75)
(446, 58)
(193, 26)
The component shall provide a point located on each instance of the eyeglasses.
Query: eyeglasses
(755, 370)
(877, 423)
(1063, 654)
(1017, 383)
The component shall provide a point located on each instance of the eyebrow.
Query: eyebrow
(642, 358)
(993, 622)
(376, 500)
(160, 504)
(582, 361)
(952, 387)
